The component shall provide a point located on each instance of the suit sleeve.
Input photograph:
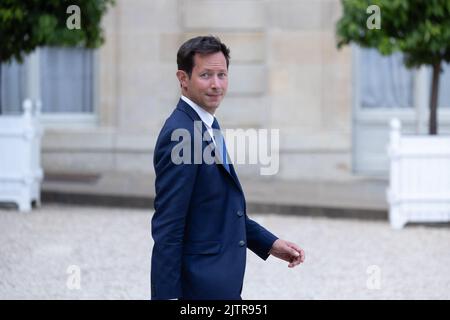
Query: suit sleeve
(259, 239)
(174, 184)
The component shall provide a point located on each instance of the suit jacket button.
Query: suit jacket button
(240, 213)
(242, 243)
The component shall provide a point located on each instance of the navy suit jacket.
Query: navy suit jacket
(200, 226)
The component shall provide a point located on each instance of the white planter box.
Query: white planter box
(20, 151)
(419, 185)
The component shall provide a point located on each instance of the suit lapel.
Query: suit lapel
(235, 177)
(183, 106)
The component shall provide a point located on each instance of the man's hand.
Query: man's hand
(288, 251)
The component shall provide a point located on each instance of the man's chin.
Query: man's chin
(213, 106)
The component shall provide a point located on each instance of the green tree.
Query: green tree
(420, 29)
(28, 24)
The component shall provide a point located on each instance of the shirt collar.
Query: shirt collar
(206, 117)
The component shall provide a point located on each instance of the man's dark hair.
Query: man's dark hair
(201, 45)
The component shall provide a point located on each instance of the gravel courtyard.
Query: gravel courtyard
(75, 252)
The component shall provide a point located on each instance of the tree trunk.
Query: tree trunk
(433, 128)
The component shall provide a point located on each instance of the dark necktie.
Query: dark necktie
(220, 144)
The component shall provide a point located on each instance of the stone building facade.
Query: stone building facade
(285, 73)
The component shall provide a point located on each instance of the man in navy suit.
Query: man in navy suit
(200, 226)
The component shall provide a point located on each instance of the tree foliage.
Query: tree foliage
(420, 29)
(28, 24)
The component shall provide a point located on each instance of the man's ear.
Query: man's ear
(182, 78)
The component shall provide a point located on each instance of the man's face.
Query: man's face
(209, 81)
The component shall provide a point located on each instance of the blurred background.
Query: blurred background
(106, 86)
(102, 109)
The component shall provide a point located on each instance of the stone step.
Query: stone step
(362, 198)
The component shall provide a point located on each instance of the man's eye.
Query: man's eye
(204, 75)
(222, 75)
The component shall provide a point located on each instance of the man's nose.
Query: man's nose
(215, 83)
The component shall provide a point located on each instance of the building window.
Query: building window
(384, 88)
(66, 82)
(444, 87)
(12, 87)
(385, 81)
(66, 76)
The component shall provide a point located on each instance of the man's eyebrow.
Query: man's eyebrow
(221, 70)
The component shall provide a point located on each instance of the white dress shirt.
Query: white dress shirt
(204, 115)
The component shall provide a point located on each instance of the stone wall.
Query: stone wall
(285, 73)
